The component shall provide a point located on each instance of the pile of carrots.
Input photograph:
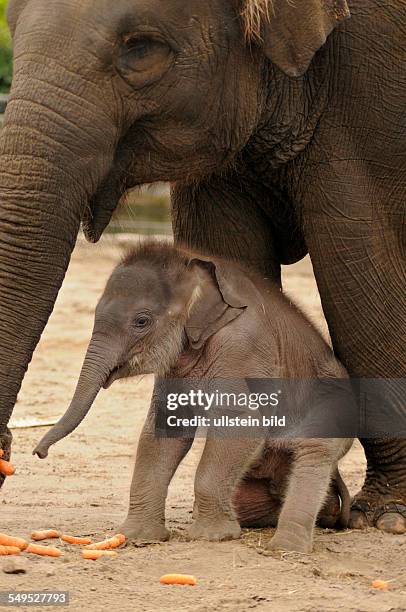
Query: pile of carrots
(14, 546)
(10, 545)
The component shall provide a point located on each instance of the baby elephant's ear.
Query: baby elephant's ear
(293, 30)
(220, 302)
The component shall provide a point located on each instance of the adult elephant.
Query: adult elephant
(281, 126)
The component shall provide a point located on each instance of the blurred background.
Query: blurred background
(5, 51)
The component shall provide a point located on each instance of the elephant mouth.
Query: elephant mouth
(97, 214)
(133, 366)
(99, 211)
(120, 371)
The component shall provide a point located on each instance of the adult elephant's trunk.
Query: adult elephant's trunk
(55, 149)
(100, 360)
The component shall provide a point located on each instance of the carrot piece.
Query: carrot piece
(113, 542)
(44, 535)
(379, 584)
(6, 468)
(96, 554)
(46, 551)
(74, 540)
(9, 550)
(178, 579)
(1, 453)
(6, 540)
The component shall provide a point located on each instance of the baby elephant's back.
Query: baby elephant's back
(283, 339)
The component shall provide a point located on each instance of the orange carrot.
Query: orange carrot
(6, 540)
(9, 550)
(44, 535)
(178, 579)
(96, 554)
(1, 453)
(6, 468)
(46, 551)
(73, 540)
(379, 584)
(113, 542)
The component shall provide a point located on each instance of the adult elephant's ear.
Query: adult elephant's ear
(293, 30)
(222, 297)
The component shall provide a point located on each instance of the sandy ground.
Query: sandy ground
(82, 488)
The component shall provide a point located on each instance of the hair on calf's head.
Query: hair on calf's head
(158, 253)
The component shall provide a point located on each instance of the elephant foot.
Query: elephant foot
(290, 542)
(136, 531)
(388, 516)
(215, 529)
(5, 445)
(382, 501)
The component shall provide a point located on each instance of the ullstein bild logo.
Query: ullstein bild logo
(226, 421)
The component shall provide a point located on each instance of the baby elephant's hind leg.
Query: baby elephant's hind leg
(307, 489)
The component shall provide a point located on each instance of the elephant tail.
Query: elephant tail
(345, 499)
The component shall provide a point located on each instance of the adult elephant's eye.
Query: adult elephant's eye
(143, 53)
(143, 60)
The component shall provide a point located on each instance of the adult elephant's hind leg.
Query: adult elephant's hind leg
(360, 272)
(386, 467)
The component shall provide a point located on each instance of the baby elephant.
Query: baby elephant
(185, 316)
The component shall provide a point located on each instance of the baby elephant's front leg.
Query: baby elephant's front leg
(223, 463)
(155, 465)
(307, 490)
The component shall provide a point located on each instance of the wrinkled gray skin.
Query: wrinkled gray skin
(273, 147)
(179, 316)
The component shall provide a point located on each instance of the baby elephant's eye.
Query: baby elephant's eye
(142, 321)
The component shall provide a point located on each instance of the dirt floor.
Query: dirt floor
(82, 488)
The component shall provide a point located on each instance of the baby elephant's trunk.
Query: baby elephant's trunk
(95, 371)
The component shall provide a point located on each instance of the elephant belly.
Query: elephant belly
(258, 497)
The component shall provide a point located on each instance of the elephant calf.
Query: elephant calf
(180, 315)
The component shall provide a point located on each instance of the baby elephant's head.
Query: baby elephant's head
(159, 301)
(141, 317)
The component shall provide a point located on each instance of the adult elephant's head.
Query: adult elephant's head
(108, 95)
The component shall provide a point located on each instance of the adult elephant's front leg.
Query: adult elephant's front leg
(356, 252)
(5, 445)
